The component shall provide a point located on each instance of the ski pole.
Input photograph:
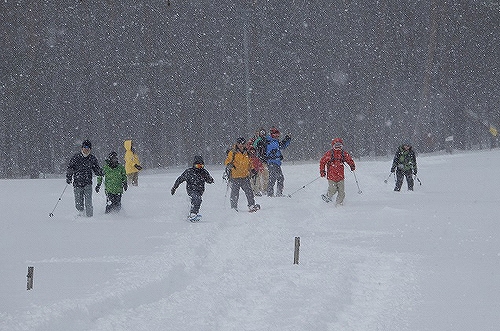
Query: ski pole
(418, 180)
(359, 190)
(227, 188)
(52, 213)
(304, 186)
(385, 181)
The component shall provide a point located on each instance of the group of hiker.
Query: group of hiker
(252, 165)
(117, 177)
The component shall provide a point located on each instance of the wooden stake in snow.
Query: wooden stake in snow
(296, 252)
(30, 277)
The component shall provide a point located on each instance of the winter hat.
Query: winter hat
(241, 140)
(112, 155)
(337, 143)
(274, 130)
(112, 159)
(198, 159)
(87, 143)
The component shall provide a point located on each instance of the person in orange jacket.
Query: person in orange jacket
(132, 163)
(331, 165)
(238, 164)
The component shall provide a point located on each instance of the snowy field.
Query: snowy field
(388, 261)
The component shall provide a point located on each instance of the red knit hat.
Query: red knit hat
(274, 130)
(337, 143)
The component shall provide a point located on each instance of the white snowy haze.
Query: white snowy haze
(422, 260)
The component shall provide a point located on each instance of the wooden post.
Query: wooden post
(296, 252)
(30, 278)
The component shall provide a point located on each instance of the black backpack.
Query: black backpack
(332, 158)
(261, 148)
(227, 172)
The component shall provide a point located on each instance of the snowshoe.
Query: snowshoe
(194, 218)
(326, 198)
(254, 208)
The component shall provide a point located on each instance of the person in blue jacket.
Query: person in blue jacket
(273, 160)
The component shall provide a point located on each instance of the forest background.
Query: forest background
(188, 77)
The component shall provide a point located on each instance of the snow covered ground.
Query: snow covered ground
(422, 260)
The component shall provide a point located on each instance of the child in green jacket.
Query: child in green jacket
(115, 182)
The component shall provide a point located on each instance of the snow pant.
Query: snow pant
(195, 201)
(336, 187)
(244, 184)
(400, 174)
(260, 181)
(133, 178)
(113, 202)
(275, 175)
(83, 199)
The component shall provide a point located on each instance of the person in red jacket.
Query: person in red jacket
(331, 165)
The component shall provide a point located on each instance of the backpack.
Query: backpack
(227, 172)
(260, 146)
(333, 159)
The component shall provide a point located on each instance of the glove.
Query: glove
(353, 168)
(172, 191)
(393, 169)
(414, 171)
(68, 180)
(138, 167)
(125, 186)
(322, 174)
(97, 188)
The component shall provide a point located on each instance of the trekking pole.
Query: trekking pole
(304, 186)
(227, 188)
(359, 190)
(418, 180)
(385, 181)
(52, 213)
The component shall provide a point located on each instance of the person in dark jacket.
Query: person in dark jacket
(404, 164)
(115, 183)
(79, 171)
(195, 178)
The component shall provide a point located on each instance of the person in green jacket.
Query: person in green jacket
(115, 183)
(405, 165)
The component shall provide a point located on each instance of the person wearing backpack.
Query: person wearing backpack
(404, 164)
(260, 146)
(273, 159)
(331, 166)
(239, 166)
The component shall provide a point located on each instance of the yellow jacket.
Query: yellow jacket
(131, 158)
(241, 163)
